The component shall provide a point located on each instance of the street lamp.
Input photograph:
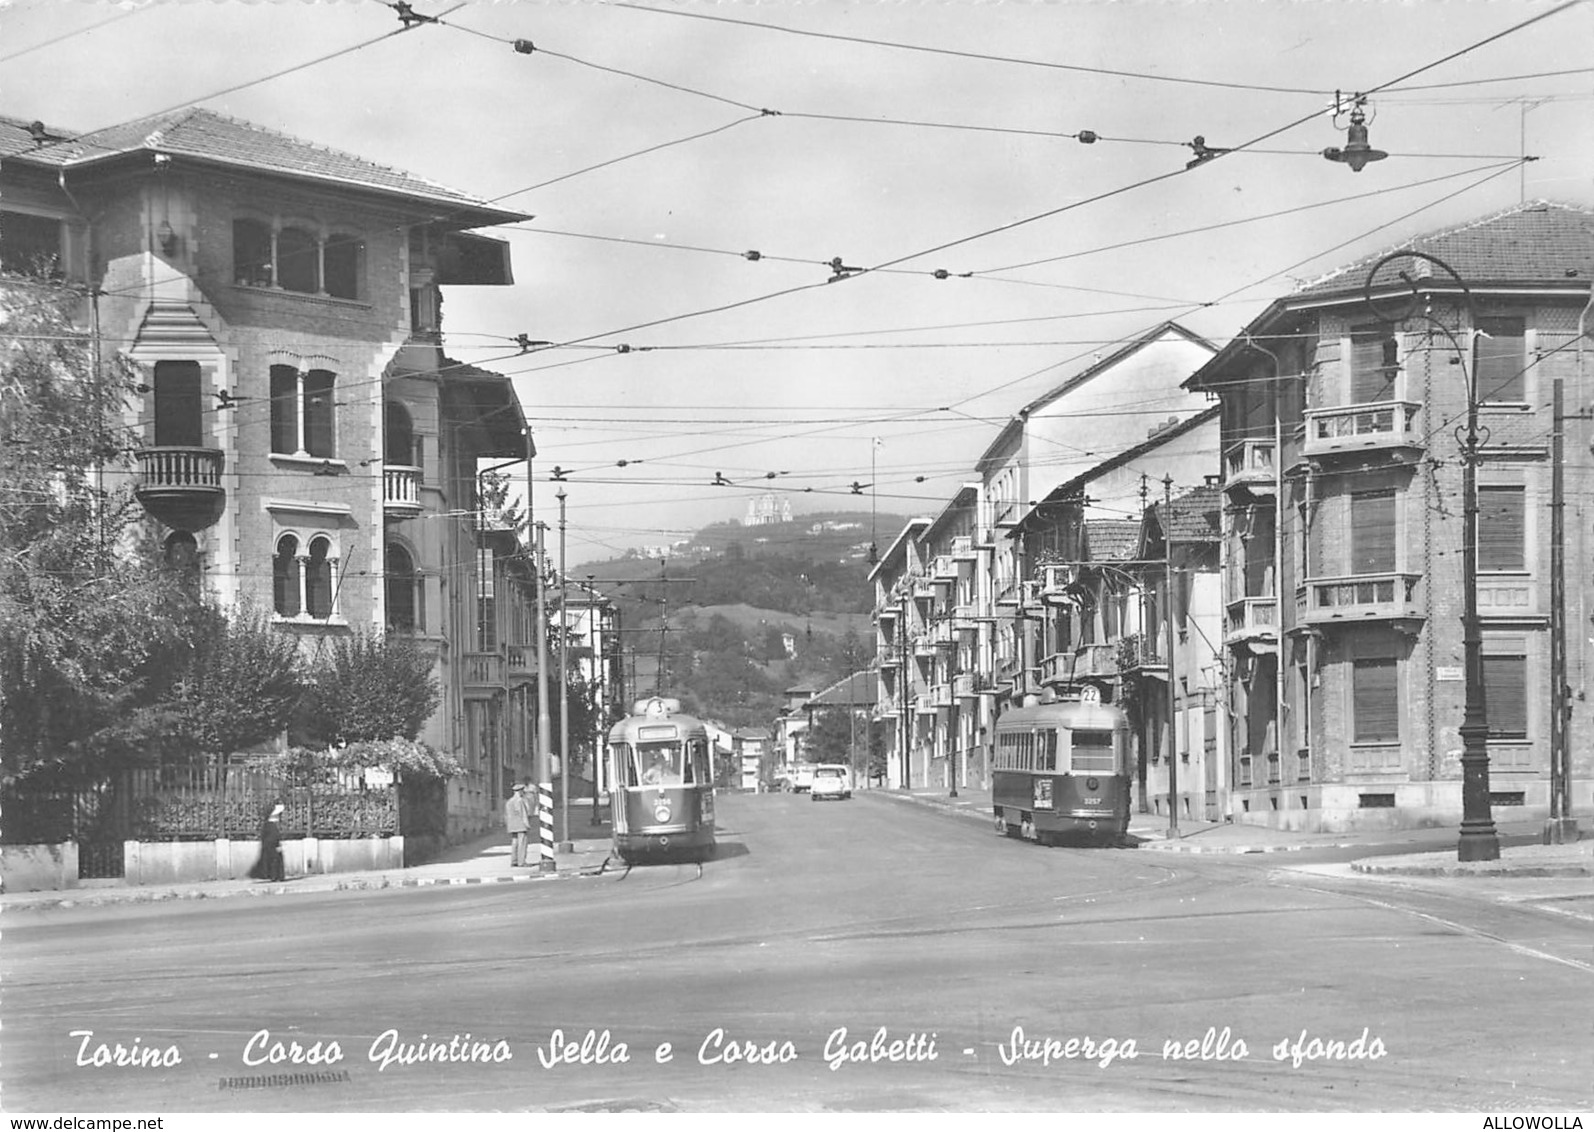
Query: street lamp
(1478, 840)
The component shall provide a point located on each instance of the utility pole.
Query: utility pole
(1167, 617)
(1561, 827)
(544, 760)
(565, 845)
(600, 676)
(1146, 646)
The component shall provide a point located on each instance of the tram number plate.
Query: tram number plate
(1091, 801)
(1028, 829)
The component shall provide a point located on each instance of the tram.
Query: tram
(1061, 772)
(662, 776)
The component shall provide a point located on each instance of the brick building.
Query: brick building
(1343, 466)
(301, 435)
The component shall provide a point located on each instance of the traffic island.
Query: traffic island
(1575, 860)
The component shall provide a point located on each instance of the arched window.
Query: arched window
(298, 261)
(251, 253)
(401, 588)
(398, 446)
(318, 415)
(343, 258)
(318, 579)
(285, 577)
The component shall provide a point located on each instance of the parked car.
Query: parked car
(802, 778)
(831, 781)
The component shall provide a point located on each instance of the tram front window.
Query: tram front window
(660, 764)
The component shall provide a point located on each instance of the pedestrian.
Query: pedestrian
(517, 820)
(269, 866)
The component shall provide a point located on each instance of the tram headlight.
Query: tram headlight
(661, 812)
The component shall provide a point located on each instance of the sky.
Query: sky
(654, 145)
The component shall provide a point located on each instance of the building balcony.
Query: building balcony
(522, 660)
(944, 568)
(181, 486)
(964, 687)
(886, 611)
(1358, 599)
(964, 550)
(923, 703)
(923, 588)
(482, 672)
(1377, 426)
(890, 656)
(1058, 668)
(941, 695)
(401, 492)
(1096, 662)
(924, 647)
(1250, 469)
(942, 635)
(1139, 654)
(1056, 580)
(1252, 620)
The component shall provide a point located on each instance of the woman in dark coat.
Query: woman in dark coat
(269, 866)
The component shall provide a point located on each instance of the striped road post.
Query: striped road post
(545, 824)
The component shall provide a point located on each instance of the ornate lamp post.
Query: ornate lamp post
(1478, 840)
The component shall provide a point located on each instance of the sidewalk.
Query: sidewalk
(1150, 832)
(483, 861)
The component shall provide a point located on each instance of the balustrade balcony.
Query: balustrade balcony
(1139, 653)
(1359, 598)
(181, 486)
(401, 492)
(1252, 619)
(1370, 427)
(963, 687)
(941, 695)
(964, 550)
(1249, 469)
(1055, 582)
(483, 671)
(1096, 662)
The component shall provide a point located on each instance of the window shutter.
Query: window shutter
(1505, 696)
(1372, 364)
(1376, 698)
(1372, 533)
(1502, 528)
(1500, 360)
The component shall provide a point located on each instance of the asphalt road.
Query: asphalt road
(765, 982)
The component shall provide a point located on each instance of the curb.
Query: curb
(1371, 868)
(1235, 850)
(370, 885)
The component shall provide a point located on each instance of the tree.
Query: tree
(90, 622)
(240, 684)
(369, 686)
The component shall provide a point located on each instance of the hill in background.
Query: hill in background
(748, 612)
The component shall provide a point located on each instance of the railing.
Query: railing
(941, 695)
(401, 489)
(1058, 668)
(173, 468)
(944, 569)
(1138, 652)
(523, 659)
(963, 548)
(483, 669)
(1096, 661)
(1359, 597)
(963, 686)
(1249, 464)
(890, 656)
(923, 703)
(1356, 428)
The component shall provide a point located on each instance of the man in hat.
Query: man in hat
(517, 820)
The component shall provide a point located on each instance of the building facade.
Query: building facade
(1344, 458)
(301, 436)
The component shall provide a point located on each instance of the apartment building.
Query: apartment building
(302, 438)
(1344, 408)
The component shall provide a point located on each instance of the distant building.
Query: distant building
(763, 510)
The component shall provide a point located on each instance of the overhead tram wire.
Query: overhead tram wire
(69, 35)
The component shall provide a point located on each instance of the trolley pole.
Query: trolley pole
(1167, 617)
(565, 845)
(544, 760)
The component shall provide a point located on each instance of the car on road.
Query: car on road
(831, 781)
(802, 777)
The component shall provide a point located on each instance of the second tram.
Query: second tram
(662, 784)
(1061, 772)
